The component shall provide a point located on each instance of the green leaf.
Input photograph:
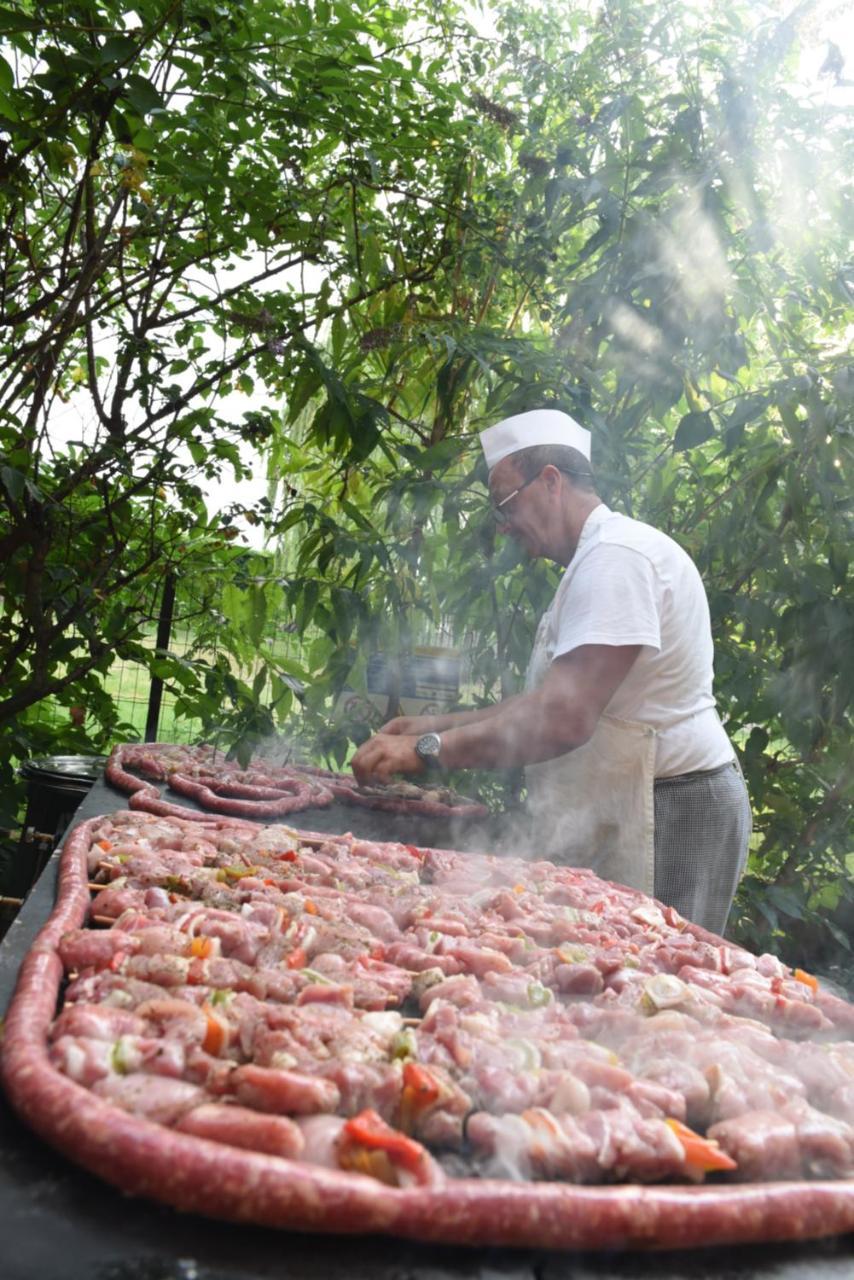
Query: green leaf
(693, 429)
(7, 108)
(257, 615)
(839, 934)
(117, 49)
(746, 409)
(142, 95)
(306, 385)
(14, 482)
(786, 901)
(364, 436)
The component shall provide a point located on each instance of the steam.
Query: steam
(511, 1139)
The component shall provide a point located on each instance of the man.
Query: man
(628, 766)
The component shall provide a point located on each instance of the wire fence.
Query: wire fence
(129, 683)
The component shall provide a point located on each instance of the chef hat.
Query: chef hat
(524, 430)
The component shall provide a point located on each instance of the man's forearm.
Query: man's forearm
(556, 718)
(522, 730)
(458, 719)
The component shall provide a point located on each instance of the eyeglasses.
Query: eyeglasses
(498, 514)
(501, 517)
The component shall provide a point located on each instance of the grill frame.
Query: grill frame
(63, 1221)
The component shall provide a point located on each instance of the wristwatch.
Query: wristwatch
(427, 748)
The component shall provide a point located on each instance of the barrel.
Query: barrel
(56, 785)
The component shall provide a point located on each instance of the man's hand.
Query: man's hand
(384, 755)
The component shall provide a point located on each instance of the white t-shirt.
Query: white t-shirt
(631, 584)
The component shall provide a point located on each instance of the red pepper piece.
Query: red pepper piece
(806, 978)
(420, 1092)
(216, 1035)
(702, 1155)
(297, 959)
(368, 1129)
(423, 1086)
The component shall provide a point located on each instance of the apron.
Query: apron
(593, 807)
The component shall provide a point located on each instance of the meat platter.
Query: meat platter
(331, 1033)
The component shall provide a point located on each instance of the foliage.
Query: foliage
(389, 230)
(181, 196)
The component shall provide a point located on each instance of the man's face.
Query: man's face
(524, 513)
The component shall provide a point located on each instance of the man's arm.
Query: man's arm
(558, 717)
(555, 718)
(450, 720)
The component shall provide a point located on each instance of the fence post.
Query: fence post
(164, 633)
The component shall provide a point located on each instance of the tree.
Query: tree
(187, 193)
(401, 230)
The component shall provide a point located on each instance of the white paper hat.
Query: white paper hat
(539, 426)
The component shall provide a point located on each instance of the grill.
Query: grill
(63, 1222)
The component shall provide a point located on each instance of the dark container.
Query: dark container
(55, 787)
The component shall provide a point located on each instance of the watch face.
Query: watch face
(427, 747)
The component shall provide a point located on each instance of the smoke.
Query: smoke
(280, 749)
(690, 248)
(636, 332)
